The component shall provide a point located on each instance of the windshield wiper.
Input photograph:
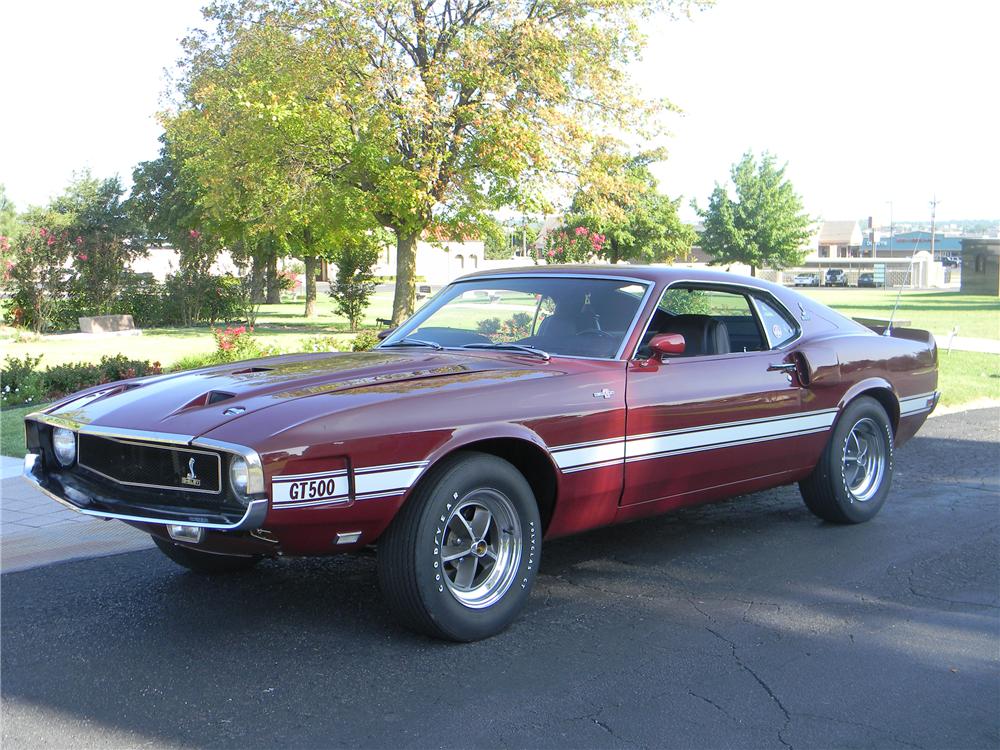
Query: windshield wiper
(414, 342)
(535, 351)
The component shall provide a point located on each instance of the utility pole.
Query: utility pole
(934, 204)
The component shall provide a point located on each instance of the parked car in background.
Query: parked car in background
(806, 279)
(514, 407)
(951, 261)
(836, 277)
(868, 280)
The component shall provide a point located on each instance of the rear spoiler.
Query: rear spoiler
(899, 329)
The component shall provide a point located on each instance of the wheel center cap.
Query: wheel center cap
(479, 548)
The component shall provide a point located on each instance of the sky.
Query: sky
(868, 101)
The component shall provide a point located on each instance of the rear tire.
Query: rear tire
(206, 563)
(852, 479)
(459, 560)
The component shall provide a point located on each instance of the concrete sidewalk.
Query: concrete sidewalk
(966, 344)
(35, 530)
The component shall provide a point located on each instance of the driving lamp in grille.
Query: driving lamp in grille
(64, 445)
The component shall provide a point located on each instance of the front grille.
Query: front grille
(140, 464)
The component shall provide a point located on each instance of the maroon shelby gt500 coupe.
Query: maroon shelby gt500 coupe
(515, 406)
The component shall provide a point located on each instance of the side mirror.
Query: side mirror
(667, 343)
(384, 333)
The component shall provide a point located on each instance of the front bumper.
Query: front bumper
(79, 498)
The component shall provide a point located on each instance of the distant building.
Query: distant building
(905, 244)
(981, 266)
(840, 239)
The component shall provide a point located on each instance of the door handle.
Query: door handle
(788, 367)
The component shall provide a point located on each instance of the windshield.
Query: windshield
(580, 317)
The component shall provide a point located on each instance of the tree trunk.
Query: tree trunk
(406, 276)
(273, 289)
(753, 271)
(257, 276)
(311, 263)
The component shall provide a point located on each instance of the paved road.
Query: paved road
(745, 624)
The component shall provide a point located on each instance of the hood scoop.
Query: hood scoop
(206, 399)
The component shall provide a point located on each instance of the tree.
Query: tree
(765, 225)
(435, 111)
(106, 239)
(355, 282)
(618, 199)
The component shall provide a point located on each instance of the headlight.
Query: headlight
(239, 476)
(64, 444)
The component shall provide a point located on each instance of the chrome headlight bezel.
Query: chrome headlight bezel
(239, 478)
(64, 446)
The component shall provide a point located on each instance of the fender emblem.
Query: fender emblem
(604, 393)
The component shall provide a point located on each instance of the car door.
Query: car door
(711, 423)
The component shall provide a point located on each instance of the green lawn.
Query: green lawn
(968, 376)
(282, 326)
(12, 430)
(937, 312)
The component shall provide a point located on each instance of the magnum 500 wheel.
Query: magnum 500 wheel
(852, 479)
(459, 560)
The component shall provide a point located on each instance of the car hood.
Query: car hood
(198, 401)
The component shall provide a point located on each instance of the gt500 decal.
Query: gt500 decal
(331, 487)
(310, 489)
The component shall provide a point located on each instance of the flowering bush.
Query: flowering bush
(25, 383)
(573, 245)
(236, 344)
(35, 279)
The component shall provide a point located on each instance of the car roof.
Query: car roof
(656, 274)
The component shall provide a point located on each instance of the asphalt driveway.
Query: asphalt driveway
(744, 624)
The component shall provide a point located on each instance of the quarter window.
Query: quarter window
(780, 329)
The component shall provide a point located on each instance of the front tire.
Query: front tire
(207, 563)
(852, 479)
(460, 559)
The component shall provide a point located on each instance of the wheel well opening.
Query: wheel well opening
(888, 401)
(532, 462)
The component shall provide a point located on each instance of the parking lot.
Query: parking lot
(743, 624)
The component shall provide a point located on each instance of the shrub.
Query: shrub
(489, 326)
(236, 344)
(364, 341)
(35, 281)
(25, 383)
(323, 344)
(355, 283)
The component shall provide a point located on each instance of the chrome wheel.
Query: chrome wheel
(480, 548)
(864, 463)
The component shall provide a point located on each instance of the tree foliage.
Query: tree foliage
(412, 114)
(618, 199)
(764, 226)
(355, 283)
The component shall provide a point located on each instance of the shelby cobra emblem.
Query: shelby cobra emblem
(191, 479)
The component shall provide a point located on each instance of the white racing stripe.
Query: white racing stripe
(717, 436)
(612, 451)
(592, 454)
(916, 404)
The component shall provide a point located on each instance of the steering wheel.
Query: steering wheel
(596, 332)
